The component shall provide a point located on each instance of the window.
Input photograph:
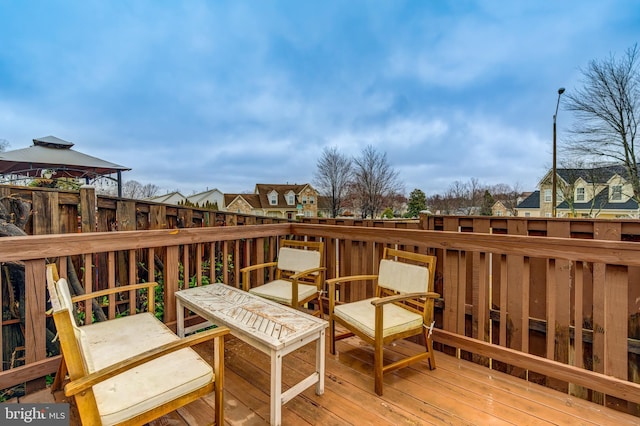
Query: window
(616, 192)
(547, 214)
(273, 199)
(579, 194)
(527, 214)
(547, 195)
(312, 199)
(499, 213)
(304, 199)
(291, 199)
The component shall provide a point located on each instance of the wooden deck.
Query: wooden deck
(456, 393)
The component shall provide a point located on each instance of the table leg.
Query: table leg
(320, 358)
(179, 318)
(276, 388)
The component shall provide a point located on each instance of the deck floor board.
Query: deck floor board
(457, 392)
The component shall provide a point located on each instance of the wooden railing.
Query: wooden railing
(490, 312)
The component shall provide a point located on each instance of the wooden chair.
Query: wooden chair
(402, 307)
(299, 275)
(132, 369)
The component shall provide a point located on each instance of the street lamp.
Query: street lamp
(553, 178)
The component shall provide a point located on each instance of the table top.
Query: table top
(269, 322)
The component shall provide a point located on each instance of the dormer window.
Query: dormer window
(616, 192)
(273, 198)
(579, 194)
(291, 199)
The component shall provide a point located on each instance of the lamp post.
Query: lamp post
(553, 177)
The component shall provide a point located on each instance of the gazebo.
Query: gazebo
(53, 156)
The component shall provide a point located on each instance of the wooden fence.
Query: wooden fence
(555, 301)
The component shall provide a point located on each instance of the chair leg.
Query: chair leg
(377, 367)
(332, 335)
(61, 374)
(428, 343)
(320, 308)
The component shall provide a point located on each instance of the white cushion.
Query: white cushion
(64, 295)
(362, 315)
(297, 260)
(154, 383)
(403, 277)
(280, 291)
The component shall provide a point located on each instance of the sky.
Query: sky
(195, 95)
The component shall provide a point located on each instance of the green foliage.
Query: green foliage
(387, 213)
(417, 203)
(60, 183)
(208, 205)
(487, 204)
(191, 282)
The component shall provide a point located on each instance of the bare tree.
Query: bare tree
(149, 190)
(508, 195)
(607, 108)
(374, 179)
(467, 197)
(332, 177)
(4, 144)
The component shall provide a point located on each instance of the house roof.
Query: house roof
(594, 175)
(53, 153)
(166, 197)
(252, 199)
(202, 196)
(601, 202)
(531, 202)
(263, 190)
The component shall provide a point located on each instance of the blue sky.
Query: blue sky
(226, 94)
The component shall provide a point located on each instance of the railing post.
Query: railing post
(35, 318)
(88, 208)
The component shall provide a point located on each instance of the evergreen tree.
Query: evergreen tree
(417, 203)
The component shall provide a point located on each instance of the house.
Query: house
(174, 197)
(530, 206)
(499, 209)
(603, 192)
(276, 200)
(211, 198)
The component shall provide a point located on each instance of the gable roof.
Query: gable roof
(601, 202)
(166, 198)
(531, 202)
(597, 175)
(252, 199)
(263, 190)
(203, 196)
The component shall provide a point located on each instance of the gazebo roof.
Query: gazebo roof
(51, 153)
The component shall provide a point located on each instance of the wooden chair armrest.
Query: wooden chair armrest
(258, 266)
(150, 285)
(350, 278)
(307, 272)
(401, 297)
(333, 281)
(245, 272)
(84, 383)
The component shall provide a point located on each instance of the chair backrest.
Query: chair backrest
(403, 277)
(72, 338)
(297, 256)
(297, 260)
(406, 272)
